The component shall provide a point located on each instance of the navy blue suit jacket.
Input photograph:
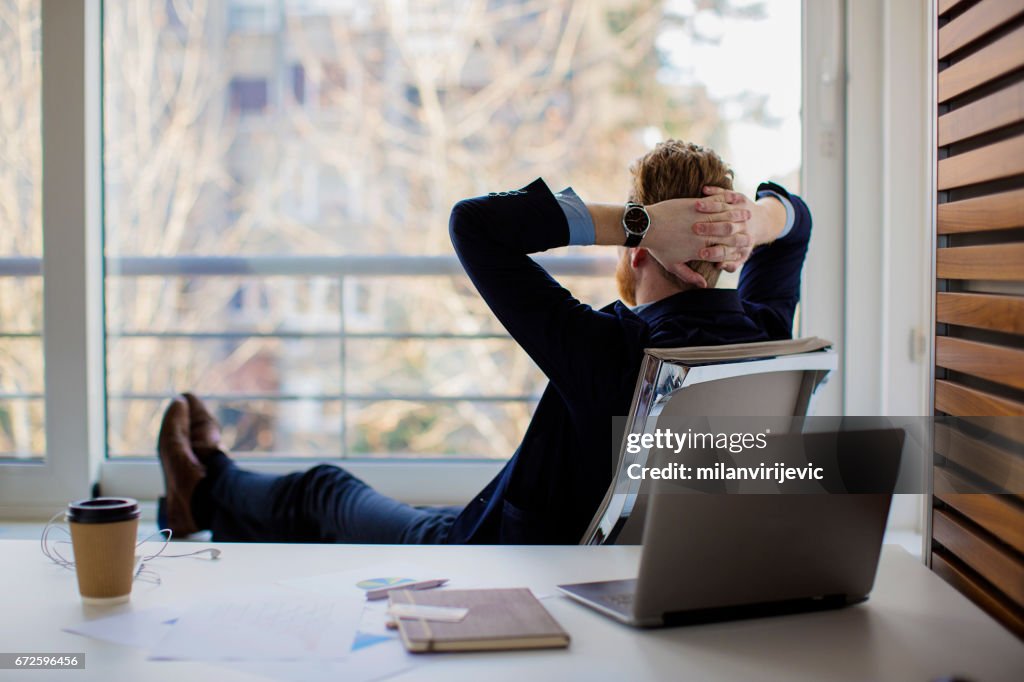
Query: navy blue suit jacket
(550, 489)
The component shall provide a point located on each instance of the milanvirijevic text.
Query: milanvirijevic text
(677, 441)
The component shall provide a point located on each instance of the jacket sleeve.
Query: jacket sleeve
(493, 237)
(771, 278)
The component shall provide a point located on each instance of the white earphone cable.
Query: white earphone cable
(50, 549)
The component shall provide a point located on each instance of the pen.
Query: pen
(382, 592)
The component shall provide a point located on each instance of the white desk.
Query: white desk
(914, 627)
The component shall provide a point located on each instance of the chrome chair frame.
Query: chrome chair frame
(659, 381)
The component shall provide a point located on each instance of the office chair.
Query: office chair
(767, 379)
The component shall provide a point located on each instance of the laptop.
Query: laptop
(713, 557)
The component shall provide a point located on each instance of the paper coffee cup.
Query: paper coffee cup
(103, 535)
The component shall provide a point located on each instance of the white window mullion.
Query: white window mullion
(72, 262)
(822, 184)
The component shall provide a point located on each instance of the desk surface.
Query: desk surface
(914, 627)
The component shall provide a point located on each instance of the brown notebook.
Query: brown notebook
(497, 620)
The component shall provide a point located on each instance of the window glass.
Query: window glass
(22, 434)
(279, 177)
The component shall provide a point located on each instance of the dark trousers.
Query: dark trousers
(322, 504)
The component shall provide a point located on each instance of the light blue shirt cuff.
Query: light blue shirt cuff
(790, 212)
(581, 225)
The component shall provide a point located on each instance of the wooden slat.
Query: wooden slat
(976, 22)
(999, 109)
(993, 212)
(946, 5)
(1000, 262)
(1000, 609)
(985, 360)
(987, 460)
(991, 162)
(1001, 515)
(988, 63)
(999, 567)
(1010, 428)
(984, 410)
(982, 311)
(963, 401)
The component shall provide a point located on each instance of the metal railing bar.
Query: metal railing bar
(304, 266)
(287, 457)
(397, 336)
(329, 397)
(28, 266)
(323, 397)
(254, 334)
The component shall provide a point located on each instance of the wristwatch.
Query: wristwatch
(636, 222)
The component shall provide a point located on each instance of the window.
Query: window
(294, 268)
(291, 262)
(22, 434)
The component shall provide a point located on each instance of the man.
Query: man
(550, 488)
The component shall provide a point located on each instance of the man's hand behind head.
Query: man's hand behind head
(708, 229)
(766, 218)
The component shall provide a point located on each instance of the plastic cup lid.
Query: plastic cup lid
(103, 510)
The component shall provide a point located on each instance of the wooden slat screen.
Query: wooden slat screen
(977, 541)
(985, 460)
(1000, 160)
(952, 571)
(990, 62)
(982, 311)
(1002, 108)
(1002, 211)
(995, 513)
(991, 261)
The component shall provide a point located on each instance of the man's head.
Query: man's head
(672, 170)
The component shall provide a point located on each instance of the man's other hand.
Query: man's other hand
(766, 218)
(707, 229)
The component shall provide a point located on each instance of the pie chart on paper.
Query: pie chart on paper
(376, 583)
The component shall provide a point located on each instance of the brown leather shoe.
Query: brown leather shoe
(204, 430)
(182, 471)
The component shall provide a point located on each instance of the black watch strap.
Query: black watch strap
(633, 239)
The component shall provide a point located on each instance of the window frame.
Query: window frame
(73, 359)
(74, 338)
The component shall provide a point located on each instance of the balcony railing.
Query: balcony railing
(339, 267)
(308, 266)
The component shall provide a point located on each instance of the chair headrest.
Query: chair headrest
(741, 351)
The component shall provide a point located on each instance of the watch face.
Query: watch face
(636, 220)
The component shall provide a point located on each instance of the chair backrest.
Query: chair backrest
(773, 379)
